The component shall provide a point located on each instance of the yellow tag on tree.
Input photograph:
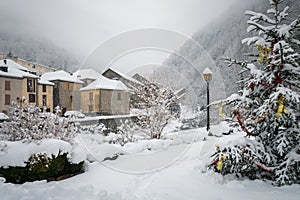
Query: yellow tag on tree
(281, 109)
(264, 53)
(220, 165)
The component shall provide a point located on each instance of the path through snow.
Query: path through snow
(182, 179)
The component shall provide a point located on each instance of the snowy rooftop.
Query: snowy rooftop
(43, 81)
(86, 74)
(105, 83)
(15, 70)
(60, 76)
(124, 76)
(12, 63)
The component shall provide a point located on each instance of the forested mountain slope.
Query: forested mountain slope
(218, 40)
(36, 49)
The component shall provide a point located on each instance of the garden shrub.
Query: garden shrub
(42, 167)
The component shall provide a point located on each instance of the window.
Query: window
(7, 85)
(65, 85)
(119, 96)
(44, 99)
(31, 98)
(70, 86)
(44, 88)
(71, 99)
(7, 99)
(91, 96)
(30, 85)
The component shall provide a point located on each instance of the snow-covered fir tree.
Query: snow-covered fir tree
(267, 107)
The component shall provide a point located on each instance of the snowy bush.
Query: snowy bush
(40, 167)
(27, 124)
(127, 132)
(93, 129)
(241, 160)
(160, 105)
(268, 103)
(123, 134)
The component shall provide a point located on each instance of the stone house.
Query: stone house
(130, 82)
(105, 97)
(16, 83)
(66, 90)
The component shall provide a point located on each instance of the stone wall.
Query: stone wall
(110, 103)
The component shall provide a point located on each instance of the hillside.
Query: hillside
(36, 49)
(218, 40)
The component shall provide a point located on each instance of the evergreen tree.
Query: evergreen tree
(267, 107)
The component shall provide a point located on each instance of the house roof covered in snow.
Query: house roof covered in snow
(12, 63)
(43, 81)
(123, 75)
(60, 75)
(141, 78)
(14, 70)
(86, 74)
(106, 84)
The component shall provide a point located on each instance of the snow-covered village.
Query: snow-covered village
(150, 100)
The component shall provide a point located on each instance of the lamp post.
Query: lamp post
(207, 74)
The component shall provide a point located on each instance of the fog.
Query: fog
(80, 25)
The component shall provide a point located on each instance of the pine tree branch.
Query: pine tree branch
(231, 62)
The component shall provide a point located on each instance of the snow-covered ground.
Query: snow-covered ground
(170, 169)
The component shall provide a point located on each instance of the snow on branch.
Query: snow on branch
(255, 40)
(258, 27)
(283, 14)
(231, 62)
(256, 17)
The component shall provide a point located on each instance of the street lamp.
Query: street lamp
(207, 74)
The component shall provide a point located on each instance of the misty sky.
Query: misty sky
(81, 25)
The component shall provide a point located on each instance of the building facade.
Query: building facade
(34, 67)
(45, 95)
(10, 90)
(105, 97)
(16, 84)
(105, 102)
(66, 93)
